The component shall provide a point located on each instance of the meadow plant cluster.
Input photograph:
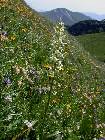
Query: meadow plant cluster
(50, 89)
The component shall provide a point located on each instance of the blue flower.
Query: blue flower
(7, 81)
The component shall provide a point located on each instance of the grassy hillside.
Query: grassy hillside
(95, 44)
(50, 88)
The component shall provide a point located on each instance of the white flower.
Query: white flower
(8, 98)
(9, 117)
(24, 71)
(17, 69)
(60, 63)
(54, 58)
(55, 93)
(20, 83)
(28, 124)
(59, 112)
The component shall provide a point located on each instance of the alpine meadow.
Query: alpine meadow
(51, 88)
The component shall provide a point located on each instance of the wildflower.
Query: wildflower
(39, 90)
(68, 107)
(42, 90)
(3, 36)
(57, 53)
(29, 124)
(60, 68)
(24, 30)
(19, 82)
(4, 33)
(97, 92)
(29, 80)
(51, 75)
(17, 69)
(46, 89)
(9, 117)
(8, 98)
(7, 81)
(78, 89)
(55, 100)
(59, 112)
(47, 66)
(55, 93)
(24, 72)
(26, 75)
(33, 72)
(58, 135)
(54, 58)
(13, 38)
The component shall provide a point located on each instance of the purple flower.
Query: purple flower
(4, 34)
(33, 72)
(7, 81)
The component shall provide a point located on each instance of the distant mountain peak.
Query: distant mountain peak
(68, 17)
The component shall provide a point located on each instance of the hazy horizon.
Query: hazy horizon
(87, 6)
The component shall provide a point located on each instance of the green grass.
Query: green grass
(94, 44)
(50, 88)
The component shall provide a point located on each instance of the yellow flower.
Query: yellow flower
(13, 38)
(97, 92)
(55, 100)
(68, 108)
(47, 66)
(3, 38)
(78, 89)
(24, 30)
(51, 74)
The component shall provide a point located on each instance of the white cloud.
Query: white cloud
(96, 6)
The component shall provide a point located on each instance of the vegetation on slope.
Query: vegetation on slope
(87, 27)
(94, 44)
(50, 88)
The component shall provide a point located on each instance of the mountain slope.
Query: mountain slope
(95, 44)
(87, 27)
(50, 88)
(68, 17)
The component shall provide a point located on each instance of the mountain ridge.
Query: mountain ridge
(87, 27)
(65, 15)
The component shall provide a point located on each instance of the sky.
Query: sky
(93, 6)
